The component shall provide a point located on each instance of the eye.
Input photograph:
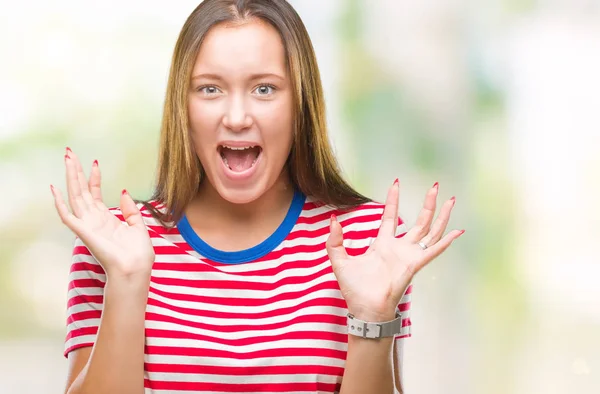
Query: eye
(208, 90)
(265, 90)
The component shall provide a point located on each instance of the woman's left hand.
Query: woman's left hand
(373, 283)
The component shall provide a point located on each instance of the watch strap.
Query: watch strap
(377, 330)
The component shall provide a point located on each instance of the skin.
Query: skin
(228, 101)
(241, 91)
(126, 254)
(373, 284)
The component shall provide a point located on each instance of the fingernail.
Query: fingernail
(124, 192)
(95, 163)
(396, 181)
(333, 218)
(453, 198)
(461, 232)
(67, 156)
(436, 185)
(52, 189)
(69, 149)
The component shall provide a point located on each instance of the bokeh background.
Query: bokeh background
(498, 100)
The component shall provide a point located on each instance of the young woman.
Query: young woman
(255, 267)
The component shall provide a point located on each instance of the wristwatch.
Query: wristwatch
(370, 330)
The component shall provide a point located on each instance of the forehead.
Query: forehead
(254, 46)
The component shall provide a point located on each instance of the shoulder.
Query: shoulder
(366, 214)
(360, 223)
(151, 210)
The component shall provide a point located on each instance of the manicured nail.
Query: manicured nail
(95, 164)
(333, 218)
(69, 149)
(453, 199)
(124, 192)
(67, 156)
(396, 181)
(461, 232)
(436, 185)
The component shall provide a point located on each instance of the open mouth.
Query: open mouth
(239, 159)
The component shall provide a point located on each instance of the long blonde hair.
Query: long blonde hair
(312, 166)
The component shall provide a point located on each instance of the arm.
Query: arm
(110, 277)
(373, 366)
(115, 364)
(373, 282)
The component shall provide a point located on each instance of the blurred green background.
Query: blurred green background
(497, 100)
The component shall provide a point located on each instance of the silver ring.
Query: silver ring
(422, 245)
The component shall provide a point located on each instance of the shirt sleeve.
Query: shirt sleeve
(404, 304)
(84, 298)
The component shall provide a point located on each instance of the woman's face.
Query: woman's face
(240, 109)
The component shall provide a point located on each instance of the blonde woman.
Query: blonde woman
(255, 267)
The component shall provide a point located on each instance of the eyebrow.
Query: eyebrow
(252, 77)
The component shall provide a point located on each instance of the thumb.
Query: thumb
(130, 211)
(335, 244)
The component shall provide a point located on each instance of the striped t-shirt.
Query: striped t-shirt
(269, 319)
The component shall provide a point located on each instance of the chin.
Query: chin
(241, 196)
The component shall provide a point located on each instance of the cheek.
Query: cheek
(277, 128)
(202, 122)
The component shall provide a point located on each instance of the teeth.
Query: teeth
(238, 148)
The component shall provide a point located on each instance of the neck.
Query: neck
(213, 208)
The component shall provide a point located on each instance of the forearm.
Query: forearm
(116, 363)
(369, 368)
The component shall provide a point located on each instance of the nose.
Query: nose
(236, 116)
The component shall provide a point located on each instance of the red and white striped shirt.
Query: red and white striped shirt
(269, 319)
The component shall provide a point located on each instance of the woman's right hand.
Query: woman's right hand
(123, 249)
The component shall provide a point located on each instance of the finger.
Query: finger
(436, 249)
(441, 222)
(130, 211)
(83, 183)
(389, 220)
(335, 244)
(65, 215)
(95, 181)
(421, 227)
(73, 190)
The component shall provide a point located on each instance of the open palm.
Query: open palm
(373, 283)
(122, 248)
